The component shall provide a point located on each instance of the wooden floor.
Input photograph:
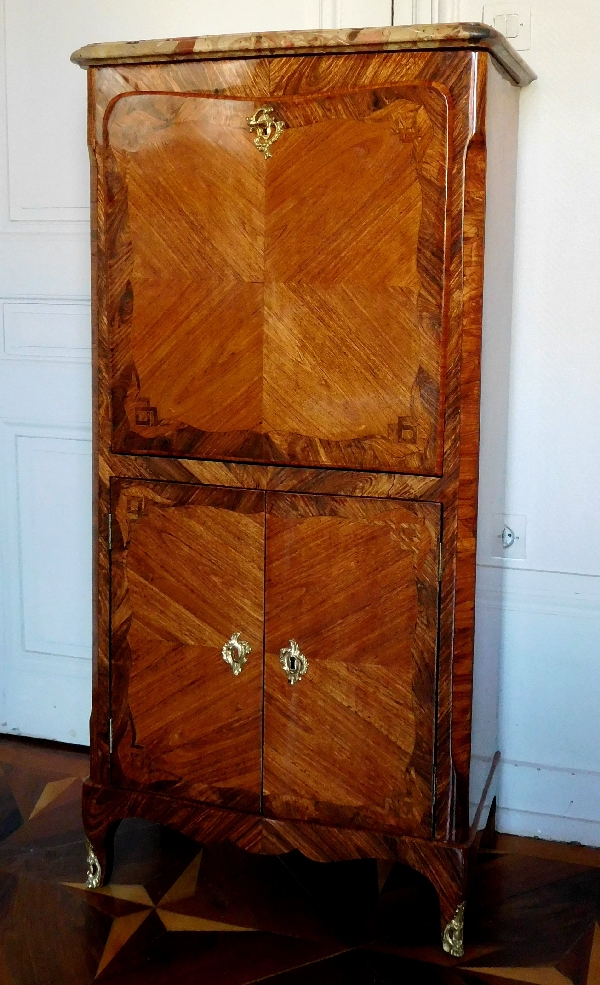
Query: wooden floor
(175, 914)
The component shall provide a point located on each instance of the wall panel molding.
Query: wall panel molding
(48, 174)
(45, 530)
(548, 624)
(45, 660)
(355, 13)
(53, 514)
(426, 11)
(329, 13)
(45, 329)
(563, 604)
(27, 224)
(43, 186)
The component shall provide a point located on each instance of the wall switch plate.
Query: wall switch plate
(508, 536)
(513, 19)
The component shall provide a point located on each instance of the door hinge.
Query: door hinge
(110, 531)
(440, 562)
(110, 741)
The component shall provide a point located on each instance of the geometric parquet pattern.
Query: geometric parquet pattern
(175, 913)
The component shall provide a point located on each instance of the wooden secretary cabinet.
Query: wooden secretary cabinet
(288, 277)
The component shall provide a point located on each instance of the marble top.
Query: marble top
(414, 38)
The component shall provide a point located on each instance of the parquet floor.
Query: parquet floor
(176, 914)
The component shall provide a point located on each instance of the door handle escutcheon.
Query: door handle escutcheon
(235, 653)
(293, 662)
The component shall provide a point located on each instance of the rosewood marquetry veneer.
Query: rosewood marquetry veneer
(288, 266)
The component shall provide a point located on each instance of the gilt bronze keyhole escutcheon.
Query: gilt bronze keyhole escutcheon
(293, 662)
(94, 870)
(235, 653)
(266, 128)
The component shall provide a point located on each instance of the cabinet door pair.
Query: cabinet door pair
(348, 584)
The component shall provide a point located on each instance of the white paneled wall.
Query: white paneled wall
(549, 603)
(45, 330)
(45, 519)
(550, 696)
(45, 387)
(46, 94)
(54, 572)
(46, 586)
(426, 11)
(355, 13)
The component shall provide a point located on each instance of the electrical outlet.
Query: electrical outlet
(508, 536)
(513, 19)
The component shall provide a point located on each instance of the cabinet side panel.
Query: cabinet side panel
(461, 445)
(501, 147)
(99, 720)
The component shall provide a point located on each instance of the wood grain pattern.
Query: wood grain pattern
(238, 475)
(354, 301)
(187, 573)
(454, 72)
(355, 583)
(234, 78)
(243, 313)
(273, 289)
(100, 714)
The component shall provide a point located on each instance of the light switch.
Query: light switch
(512, 18)
(508, 536)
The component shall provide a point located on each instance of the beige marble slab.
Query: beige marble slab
(414, 38)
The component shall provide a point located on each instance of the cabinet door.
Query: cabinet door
(288, 309)
(187, 572)
(355, 584)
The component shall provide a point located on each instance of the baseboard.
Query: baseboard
(548, 827)
(52, 744)
(542, 789)
(551, 802)
(549, 730)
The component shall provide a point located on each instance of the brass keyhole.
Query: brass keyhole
(293, 662)
(266, 128)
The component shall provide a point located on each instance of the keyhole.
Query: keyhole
(293, 664)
